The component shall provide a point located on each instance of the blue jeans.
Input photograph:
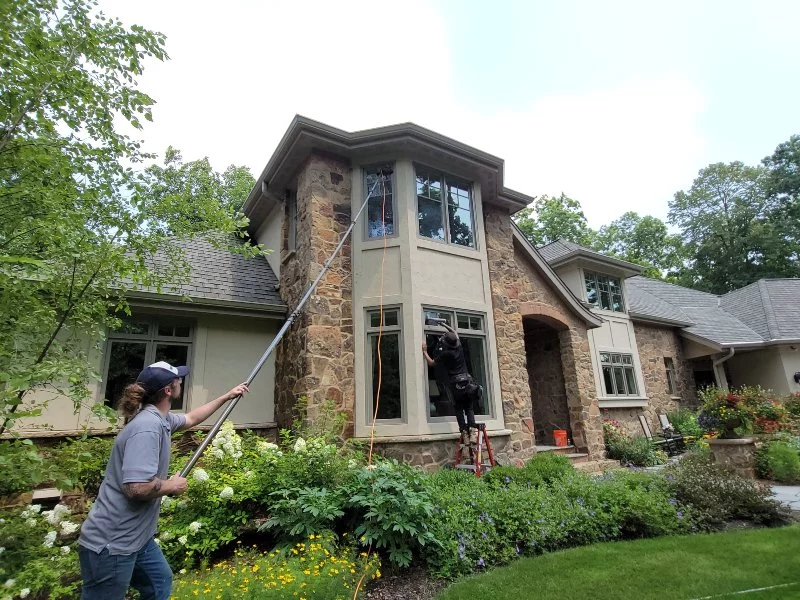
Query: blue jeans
(108, 576)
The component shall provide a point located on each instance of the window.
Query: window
(380, 214)
(140, 342)
(444, 208)
(471, 329)
(385, 366)
(669, 366)
(619, 377)
(603, 291)
(291, 220)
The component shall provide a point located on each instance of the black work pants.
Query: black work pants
(464, 400)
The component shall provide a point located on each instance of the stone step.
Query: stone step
(577, 457)
(597, 467)
(555, 449)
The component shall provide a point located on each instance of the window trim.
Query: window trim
(672, 382)
(483, 336)
(623, 367)
(151, 340)
(596, 274)
(366, 170)
(369, 333)
(444, 213)
(291, 220)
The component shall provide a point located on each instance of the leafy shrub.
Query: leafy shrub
(22, 467)
(314, 568)
(684, 421)
(780, 461)
(392, 508)
(480, 523)
(549, 466)
(39, 552)
(82, 462)
(636, 451)
(717, 495)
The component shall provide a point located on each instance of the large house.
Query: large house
(554, 335)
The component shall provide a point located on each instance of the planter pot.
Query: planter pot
(737, 454)
(22, 499)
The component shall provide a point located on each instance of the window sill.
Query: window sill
(430, 437)
(447, 248)
(377, 243)
(678, 398)
(622, 402)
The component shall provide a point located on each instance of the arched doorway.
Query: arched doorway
(549, 406)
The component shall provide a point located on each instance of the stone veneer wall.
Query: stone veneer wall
(654, 344)
(315, 358)
(519, 289)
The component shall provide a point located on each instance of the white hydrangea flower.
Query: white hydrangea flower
(68, 528)
(181, 504)
(227, 443)
(157, 541)
(266, 446)
(199, 475)
(227, 492)
(352, 463)
(248, 473)
(195, 526)
(182, 571)
(24, 592)
(2, 521)
(64, 549)
(10, 583)
(50, 539)
(167, 536)
(2, 549)
(35, 509)
(183, 539)
(300, 446)
(30, 522)
(218, 453)
(58, 514)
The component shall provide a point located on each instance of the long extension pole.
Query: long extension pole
(382, 175)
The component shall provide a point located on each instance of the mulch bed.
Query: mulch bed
(412, 584)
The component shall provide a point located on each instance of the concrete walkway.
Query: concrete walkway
(787, 494)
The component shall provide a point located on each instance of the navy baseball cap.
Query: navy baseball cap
(159, 375)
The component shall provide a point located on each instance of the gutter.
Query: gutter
(197, 304)
(719, 371)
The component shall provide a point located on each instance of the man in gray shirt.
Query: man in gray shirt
(116, 545)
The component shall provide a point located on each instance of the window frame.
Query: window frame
(429, 172)
(595, 278)
(152, 339)
(371, 332)
(618, 368)
(291, 220)
(468, 333)
(365, 172)
(672, 383)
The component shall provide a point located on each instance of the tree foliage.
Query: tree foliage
(77, 220)
(552, 218)
(731, 229)
(641, 240)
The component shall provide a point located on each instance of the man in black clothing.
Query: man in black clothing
(450, 355)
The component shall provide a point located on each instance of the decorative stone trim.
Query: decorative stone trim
(433, 437)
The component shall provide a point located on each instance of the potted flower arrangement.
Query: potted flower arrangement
(725, 412)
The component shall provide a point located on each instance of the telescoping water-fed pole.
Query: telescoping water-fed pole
(383, 176)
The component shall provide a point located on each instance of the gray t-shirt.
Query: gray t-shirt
(141, 452)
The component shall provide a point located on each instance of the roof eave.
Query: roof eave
(642, 317)
(623, 267)
(138, 298)
(584, 313)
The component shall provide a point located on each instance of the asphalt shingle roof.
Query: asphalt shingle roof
(766, 310)
(218, 274)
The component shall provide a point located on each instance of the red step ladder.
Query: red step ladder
(475, 463)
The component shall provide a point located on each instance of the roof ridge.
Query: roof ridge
(769, 311)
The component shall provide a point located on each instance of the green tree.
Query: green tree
(552, 218)
(641, 240)
(77, 222)
(729, 228)
(783, 189)
(177, 182)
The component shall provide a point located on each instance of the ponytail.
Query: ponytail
(133, 398)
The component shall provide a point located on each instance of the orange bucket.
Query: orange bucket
(560, 437)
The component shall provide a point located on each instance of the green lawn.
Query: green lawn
(682, 568)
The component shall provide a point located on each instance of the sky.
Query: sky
(617, 104)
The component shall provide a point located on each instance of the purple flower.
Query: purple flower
(679, 514)
(518, 550)
(481, 563)
(461, 550)
(673, 502)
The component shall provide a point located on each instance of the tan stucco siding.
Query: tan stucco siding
(758, 367)
(269, 234)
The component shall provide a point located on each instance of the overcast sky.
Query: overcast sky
(617, 104)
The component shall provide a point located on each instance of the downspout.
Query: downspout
(719, 371)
